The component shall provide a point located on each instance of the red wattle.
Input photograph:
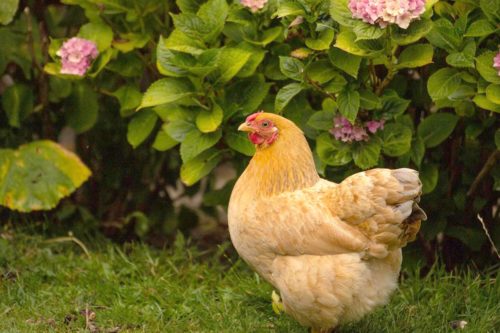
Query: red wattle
(255, 138)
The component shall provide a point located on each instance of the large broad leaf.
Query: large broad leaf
(480, 28)
(397, 139)
(444, 35)
(322, 42)
(347, 62)
(129, 97)
(200, 166)
(364, 30)
(141, 126)
(443, 83)
(98, 32)
(436, 128)
(247, 94)
(331, 151)
(81, 108)
(484, 65)
(167, 91)
(292, 68)
(464, 58)
(37, 175)
(286, 94)
(493, 93)
(239, 141)
(209, 120)
(415, 31)
(366, 154)
(340, 12)
(231, 61)
(346, 41)
(163, 141)
(17, 102)
(321, 71)
(429, 174)
(7, 10)
(348, 102)
(415, 56)
(196, 142)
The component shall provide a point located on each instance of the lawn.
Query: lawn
(56, 287)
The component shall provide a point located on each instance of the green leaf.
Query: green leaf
(397, 139)
(331, 151)
(322, 42)
(286, 94)
(196, 142)
(464, 58)
(213, 13)
(415, 31)
(288, 8)
(178, 129)
(364, 30)
(321, 71)
(497, 138)
(429, 175)
(37, 175)
(81, 108)
(163, 141)
(129, 97)
(256, 57)
(436, 128)
(267, 36)
(445, 36)
(17, 102)
(189, 6)
(336, 84)
(443, 83)
(340, 13)
(344, 61)
(416, 55)
(484, 65)
(393, 105)
(130, 41)
(491, 8)
(480, 28)
(493, 93)
(178, 41)
(191, 25)
(346, 41)
(140, 127)
(366, 154)
(200, 166)
(8, 9)
(348, 102)
(167, 91)
(368, 100)
(247, 94)
(483, 102)
(231, 61)
(292, 68)
(98, 32)
(239, 141)
(321, 120)
(209, 120)
(417, 150)
(172, 63)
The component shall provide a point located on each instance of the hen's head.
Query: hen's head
(265, 128)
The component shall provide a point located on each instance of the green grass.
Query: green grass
(46, 287)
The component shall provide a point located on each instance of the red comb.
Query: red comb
(252, 117)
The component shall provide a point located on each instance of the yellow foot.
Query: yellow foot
(277, 304)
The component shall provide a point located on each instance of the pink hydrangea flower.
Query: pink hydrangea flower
(344, 131)
(254, 5)
(77, 55)
(384, 12)
(496, 63)
(373, 125)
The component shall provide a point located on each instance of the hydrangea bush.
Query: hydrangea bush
(389, 83)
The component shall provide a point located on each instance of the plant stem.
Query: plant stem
(490, 163)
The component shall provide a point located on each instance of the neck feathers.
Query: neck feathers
(286, 165)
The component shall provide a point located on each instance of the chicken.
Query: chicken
(332, 250)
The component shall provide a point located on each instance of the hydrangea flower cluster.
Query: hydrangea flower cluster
(254, 5)
(384, 12)
(344, 131)
(496, 63)
(77, 55)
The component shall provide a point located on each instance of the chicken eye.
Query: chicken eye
(265, 124)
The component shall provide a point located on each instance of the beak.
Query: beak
(245, 128)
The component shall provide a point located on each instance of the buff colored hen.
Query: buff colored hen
(332, 250)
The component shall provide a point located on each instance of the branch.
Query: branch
(388, 78)
(490, 163)
(318, 87)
